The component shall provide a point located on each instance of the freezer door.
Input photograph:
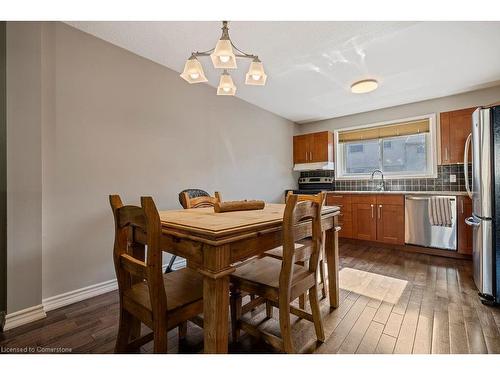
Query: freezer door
(482, 254)
(481, 163)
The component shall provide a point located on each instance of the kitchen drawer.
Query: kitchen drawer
(341, 200)
(397, 200)
(364, 198)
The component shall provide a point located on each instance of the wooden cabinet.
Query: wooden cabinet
(345, 218)
(390, 219)
(313, 148)
(301, 149)
(464, 235)
(455, 128)
(373, 217)
(364, 221)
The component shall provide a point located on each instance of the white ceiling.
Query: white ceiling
(311, 65)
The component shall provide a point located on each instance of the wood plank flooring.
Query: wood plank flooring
(391, 302)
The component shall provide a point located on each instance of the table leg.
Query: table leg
(332, 262)
(216, 299)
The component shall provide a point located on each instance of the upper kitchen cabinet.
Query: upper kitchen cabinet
(314, 148)
(301, 149)
(455, 128)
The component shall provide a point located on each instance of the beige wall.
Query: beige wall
(113, 122)
(449, 103)
(24, 166)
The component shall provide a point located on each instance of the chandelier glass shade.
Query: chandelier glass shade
(256, 75)
(226, 85)
(193, 71)
(224, 56)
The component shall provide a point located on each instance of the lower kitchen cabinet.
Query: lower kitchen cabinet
(364, 221)
(345, 218)
(371, 217)
(464, 231)
(391, 223)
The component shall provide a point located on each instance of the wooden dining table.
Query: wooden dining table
(214, 244)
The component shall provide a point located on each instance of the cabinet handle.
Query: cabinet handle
(379, 210)
(462, 205)
(306, 156)
(371, 205)
(310, 155)
(446, 153)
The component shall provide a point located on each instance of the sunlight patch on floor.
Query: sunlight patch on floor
(372, 285)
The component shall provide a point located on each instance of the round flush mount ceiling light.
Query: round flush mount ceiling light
(364, 86)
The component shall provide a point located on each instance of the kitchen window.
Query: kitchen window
(401, 149)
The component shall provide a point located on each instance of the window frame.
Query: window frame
(431, 151)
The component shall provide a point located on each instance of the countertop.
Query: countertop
(454, 193)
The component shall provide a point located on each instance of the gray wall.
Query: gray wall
(113, 122)
(3, 174)
(24, 166)
(449, 103)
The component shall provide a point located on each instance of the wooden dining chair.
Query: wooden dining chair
(190, 200)
(302, 260)
(282, 281)
(160, 301)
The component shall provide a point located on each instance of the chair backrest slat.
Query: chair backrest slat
(131, 215)
(134, 266)
(199, 202)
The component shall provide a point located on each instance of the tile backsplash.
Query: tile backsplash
(441, 183)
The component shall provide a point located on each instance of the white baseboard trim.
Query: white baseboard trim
(51, 303)
(25, 316)
(78, 295)
(95, 290)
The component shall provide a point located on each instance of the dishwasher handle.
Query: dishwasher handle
(413, 198)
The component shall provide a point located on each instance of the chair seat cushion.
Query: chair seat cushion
(266, 272)
(182, 287)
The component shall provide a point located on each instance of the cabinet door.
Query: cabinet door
(455, 128)
(390, 223)
(460, 128)
(301, 149)
(464, 230)
(321, 147)
(364, 221)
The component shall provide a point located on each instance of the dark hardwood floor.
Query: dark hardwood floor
(391, 302)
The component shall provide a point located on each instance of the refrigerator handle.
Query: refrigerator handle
(471, 222)
(466, 165)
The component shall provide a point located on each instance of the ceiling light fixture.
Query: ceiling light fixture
(364, 86)
(224, 57)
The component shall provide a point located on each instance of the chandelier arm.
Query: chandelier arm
(243, 54)
(200, 54)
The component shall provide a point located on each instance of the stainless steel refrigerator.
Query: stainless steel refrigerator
(484, 192)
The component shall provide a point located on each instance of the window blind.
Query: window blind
(386, 131)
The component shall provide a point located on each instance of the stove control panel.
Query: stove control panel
(315, 180)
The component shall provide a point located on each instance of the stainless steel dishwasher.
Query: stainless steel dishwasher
(418, 228)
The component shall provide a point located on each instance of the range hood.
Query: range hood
(321, 166)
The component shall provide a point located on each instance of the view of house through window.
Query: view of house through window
(398, 149)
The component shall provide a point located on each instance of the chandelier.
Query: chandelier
(223, 57)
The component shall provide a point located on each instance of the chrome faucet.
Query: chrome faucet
(381, 185)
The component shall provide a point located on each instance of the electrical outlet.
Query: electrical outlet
(453, 178)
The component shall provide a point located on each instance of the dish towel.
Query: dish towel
(440, 211)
